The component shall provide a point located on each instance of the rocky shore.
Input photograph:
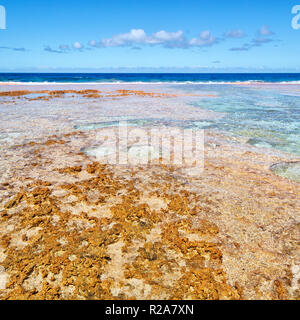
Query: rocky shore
(72, 227)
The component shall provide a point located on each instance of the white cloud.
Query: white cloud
(14, 48)
(265, 31)
(235, 34)
(167, 39)
(134, 36)
(205, 39)
(49, 49)
(77, 45)
(164, 36)
(259, 41)
(137, 38)
(93, 43)
(263, 37)
(64, 47)
(205, 35)
(245, 47)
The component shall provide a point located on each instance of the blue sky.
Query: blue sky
(139, 35)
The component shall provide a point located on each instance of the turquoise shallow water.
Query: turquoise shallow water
(290, 170)
(267, 118)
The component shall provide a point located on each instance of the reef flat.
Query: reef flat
(73, 227)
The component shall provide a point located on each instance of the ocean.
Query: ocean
(149, 77)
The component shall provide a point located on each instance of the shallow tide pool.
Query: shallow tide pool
(269, 118)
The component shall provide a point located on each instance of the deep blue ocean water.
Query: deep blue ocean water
(149, 77)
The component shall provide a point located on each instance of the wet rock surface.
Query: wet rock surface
(75, 228)
(95, 231)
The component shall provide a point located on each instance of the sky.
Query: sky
(149, 36)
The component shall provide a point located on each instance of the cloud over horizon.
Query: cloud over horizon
(65, 48)
(263, 36)
(137, 38)
(14, 49)
(265, 31)
(237, 34)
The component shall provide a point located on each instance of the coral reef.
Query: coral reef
(60, 255)
(73, 228)
(88, 93)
